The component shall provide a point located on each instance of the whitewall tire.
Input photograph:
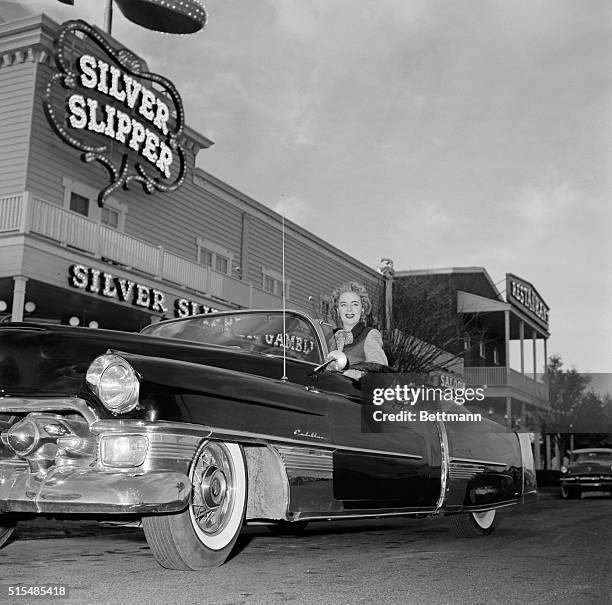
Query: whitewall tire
(473, 525)
(7, 526)
(204, 534)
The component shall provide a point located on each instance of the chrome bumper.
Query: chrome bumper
(586, 482)
(70, 490)
(160, 485)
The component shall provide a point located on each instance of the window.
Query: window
(272, 282)
(79, 203)
(222, 264)
(467, 342)
(214, 256)
(206, 257)
(83, 200)
(481, 349)
(496, 356)
(110, 217)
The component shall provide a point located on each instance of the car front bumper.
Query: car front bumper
(78, 490)
(589, 482)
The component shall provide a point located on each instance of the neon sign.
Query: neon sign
(128, 120)
(108, 285)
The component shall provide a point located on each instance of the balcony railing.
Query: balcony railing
(25, 213)
(506, 377)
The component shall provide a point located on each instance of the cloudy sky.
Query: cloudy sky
(435, 132)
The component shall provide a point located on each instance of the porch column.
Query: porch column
(508, 412)
(522, 337)
(507, 337)
(546, 367)
(19, 290)
(534, 341)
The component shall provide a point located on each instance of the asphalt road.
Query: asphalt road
(552, 552)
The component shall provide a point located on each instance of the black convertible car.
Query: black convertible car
(198, 425)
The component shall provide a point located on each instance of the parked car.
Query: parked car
(198, 425)
(588, 469)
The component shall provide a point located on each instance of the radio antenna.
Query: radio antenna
(284, 378)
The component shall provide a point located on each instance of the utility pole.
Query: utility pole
(386, 268)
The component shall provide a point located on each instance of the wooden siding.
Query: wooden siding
(11, 253)
(16, 93)
(313, 270)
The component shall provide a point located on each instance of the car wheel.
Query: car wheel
(204, 534)
(7, 526)
(569, 492)
(288, 528)
(472, 525)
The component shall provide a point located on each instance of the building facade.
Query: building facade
(503, 346)
(139, 257)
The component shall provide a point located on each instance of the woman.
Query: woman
(356, 348)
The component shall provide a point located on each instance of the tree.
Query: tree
(426, 332)
(575, 407)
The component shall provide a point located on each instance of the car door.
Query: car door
(399, 466)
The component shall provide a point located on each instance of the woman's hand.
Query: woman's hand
(340, 360)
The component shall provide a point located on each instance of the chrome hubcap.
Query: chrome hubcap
(213, 489)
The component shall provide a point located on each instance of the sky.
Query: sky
(438, 133)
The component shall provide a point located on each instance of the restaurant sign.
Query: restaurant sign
(133, 293)
(522, 295)
(103, 103)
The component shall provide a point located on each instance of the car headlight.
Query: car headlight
(115, 383)
(564, 469)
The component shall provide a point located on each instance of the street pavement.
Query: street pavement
(551, 552)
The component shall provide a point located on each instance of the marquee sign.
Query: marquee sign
(103, 104)
(133, 293)
(525, 297)
(447, 380)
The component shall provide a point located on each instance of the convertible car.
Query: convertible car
(201, 424)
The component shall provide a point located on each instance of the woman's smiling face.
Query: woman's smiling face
(349, 309)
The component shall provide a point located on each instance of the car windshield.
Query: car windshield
(592, 457)
(257, 332)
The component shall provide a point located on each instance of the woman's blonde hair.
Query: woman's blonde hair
(357, 288)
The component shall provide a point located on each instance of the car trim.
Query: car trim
(444, 464)
(406, 512)
(49, 404)
(472, 461)
(223, 433)
(275, 439)
(301, 462)
(464, 470)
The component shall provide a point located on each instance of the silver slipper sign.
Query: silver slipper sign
(102, 103)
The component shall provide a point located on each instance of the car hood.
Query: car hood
(590, 468)
(52, 361)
